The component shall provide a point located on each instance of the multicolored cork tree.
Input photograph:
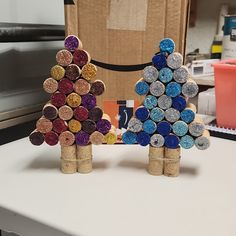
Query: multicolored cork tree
(72, 117)
(166, 121)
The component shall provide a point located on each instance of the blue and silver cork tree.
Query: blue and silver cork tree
(166, 121)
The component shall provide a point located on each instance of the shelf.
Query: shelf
(205, 80)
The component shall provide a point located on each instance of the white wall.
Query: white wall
(201, 36)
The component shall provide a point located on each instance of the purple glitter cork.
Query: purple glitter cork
(89, 101)
(72, 42)
(103, 126)
(82, 138)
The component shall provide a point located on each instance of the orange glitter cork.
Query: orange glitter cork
(64, 57)
(89, 71)
(74, 126)
(65, 112)
(57, 72)
(96, 138)
(73, 100)
(66, 138)
(82, 86)
(44, 125)
(50, 85)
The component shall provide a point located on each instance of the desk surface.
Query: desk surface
(119, 197)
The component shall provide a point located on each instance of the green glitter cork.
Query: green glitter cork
(175, 60)
(150, 74)
(157, 88)
(135, 125)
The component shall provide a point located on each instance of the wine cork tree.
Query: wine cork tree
(166, 121)
(72, 117)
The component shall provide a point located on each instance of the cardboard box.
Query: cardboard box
(125, 32)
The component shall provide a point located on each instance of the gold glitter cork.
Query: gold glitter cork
(96, 138)
(57, 72)
(89, 71)
(74, 126)
(111, 136)
(64, 57)
(73, 100)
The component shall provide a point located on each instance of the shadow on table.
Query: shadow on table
(189, 170)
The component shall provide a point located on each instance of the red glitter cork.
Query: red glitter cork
(81, 58)
(97, 88)
(59, 125)
(65, 86)
(58, 99)
(81, 113)
(51, 138)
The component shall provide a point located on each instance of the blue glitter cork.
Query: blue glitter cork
(163, 128)
(180, 128)
(149, 126)
(187, 115)
(143, 138)
(141, 88)
(186, 142)
(129, 137)
(172, 141)
(179, 103)
(142, 113)
(150, 102)
(173, 89)
(165, 75)
(157, 114)
(167, 45)
(159, 61)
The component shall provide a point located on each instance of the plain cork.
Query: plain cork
(84, 159)
(172, 162)
(68, 159)
(156, 164)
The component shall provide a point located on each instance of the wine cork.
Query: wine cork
(186, 142)
(82, 86)
(95, 114)
(159, 61)
(73, 100)
(57, 72)
(155, 165)
(68, 159)
(150, 101)
(66, 138)
(111, 136)
(59, 125)
(172, 141)
(81, 113)
(164, 102)
(165, 75)
(181, 75)
(106, 117)
(129, 137)
(89, 101)
(97, 88)
(157, 114)
(82, 138)
(44, 125)
(50, 111)
(157, 88)
(142, 113)
(190, 89)
(81, 58)
(88, 126)
(65, 86)
(173, 89)
(157, 140)
(172, 115)
(58, 99)
(84, 158)
(203, 142)
(65, 112)
(72, 72)
(188, 114)
(51, 138)
(163, 128)
(50, 85)
(74, 126)
(179, 103)
(149, 126)
(72, 43)
(172, 162)
(141, 87)
(175, 60)
(143, 138)
(167, 45)
(64, 57)
(36, 138)
(96, 138)
(89, 71)
(197, 127)
(135, 125)
(150, 74)
(103, 126)
(180, 128)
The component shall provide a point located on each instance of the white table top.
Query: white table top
(119, 197)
